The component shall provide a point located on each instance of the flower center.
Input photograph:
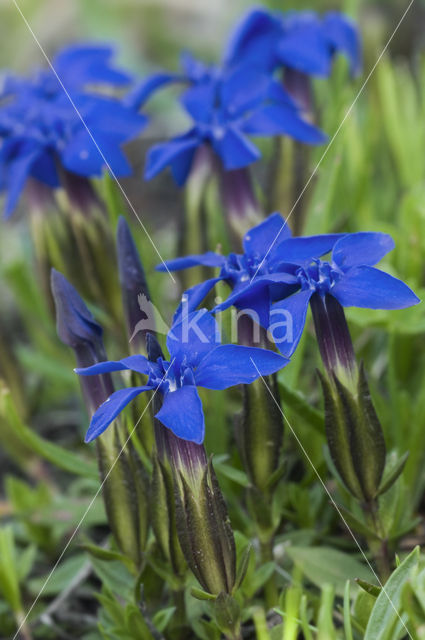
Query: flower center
(318, 276)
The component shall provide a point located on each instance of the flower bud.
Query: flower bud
(136, 299)
(123, 481)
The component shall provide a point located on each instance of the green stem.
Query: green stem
(379, 548)
(270, 588)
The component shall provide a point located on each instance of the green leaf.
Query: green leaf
(9, 580)
(385, 614)
(347, 613)
(325, 565)
(371, 589)
(60, 578)
(162, 618)
(55, 454)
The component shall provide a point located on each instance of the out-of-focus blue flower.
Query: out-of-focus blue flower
(256, 277)
(41, 130)
(197, 359)
(302, 41)
(227, 107)
(349, 276)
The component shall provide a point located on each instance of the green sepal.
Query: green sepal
(391, 473)
(357, 525)
(259, 433)
(119, 494)
(355, 436)
(204, 532)
(200, 594)
(163, 515)
(243, 567)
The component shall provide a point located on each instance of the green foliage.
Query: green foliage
(299, 572)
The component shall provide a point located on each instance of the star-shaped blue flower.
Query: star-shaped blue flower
(227, 106)
(302, 41)
(349, 276)
(41, 128)
(256, 277)
(197, 359)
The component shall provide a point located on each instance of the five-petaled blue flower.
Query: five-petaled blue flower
(226, 106)
(197, 359)
(349, 276)
(256, 277)
(46, 130)
(302, 41)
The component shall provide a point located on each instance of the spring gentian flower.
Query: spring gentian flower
(197, 359)
(42, 133)
(350, 277)
(256, 277)
(302, 41)
(227, 108)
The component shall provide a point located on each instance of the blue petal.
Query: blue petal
(193, 297)
(112, 117)
(304, 46)
(298, 250)
(199, 101)
(243, 88)
(74, 322)
(356, 249)
(193, 336)
(254, 39)
(208, 259)
(108, 411)
(18, 171)
(254, 288)
(195, 70)
(182, 413)
(235, 150)
(343, 37)
(370, 288)
(181, 166)
(258, 240)
(136, 98)
(45, 170)
(137, 363)
(88, 158)
(287, 321)
(272, 120)
(231, 364)
(88, 63)
(162, 155)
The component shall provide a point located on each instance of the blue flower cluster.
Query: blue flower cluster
(55, 122)
(302, 41)
(277, 275)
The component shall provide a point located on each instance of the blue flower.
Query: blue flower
(257, 276)
(226, 108)
(296, 40)
(197, 359)
(42, 135)
(349, 276)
